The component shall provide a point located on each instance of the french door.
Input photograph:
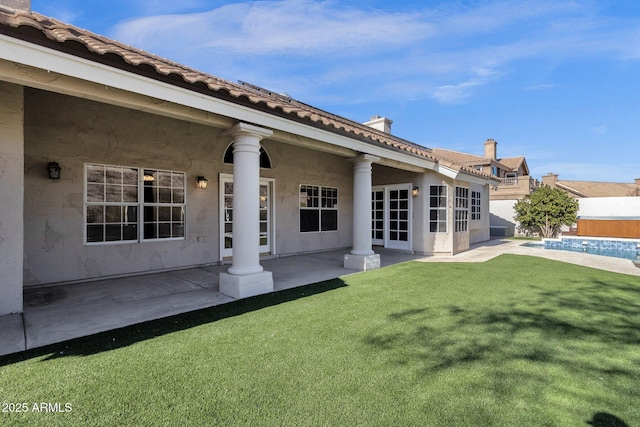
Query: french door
(391, 216)
(226, 216)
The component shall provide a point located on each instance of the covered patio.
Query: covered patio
(54, 314)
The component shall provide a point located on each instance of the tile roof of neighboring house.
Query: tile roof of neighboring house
(458, 157)
(599, 189)
(513, 163)
(508, 163)
(31, 27)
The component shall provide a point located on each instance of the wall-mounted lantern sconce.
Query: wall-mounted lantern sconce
(415, 191)
(54, 170)
(202, 182)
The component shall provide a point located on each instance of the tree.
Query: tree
(546, 210)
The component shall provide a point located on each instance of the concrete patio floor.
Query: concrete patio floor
(54, 314)
(59, 313)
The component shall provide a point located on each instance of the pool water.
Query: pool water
(633, 255)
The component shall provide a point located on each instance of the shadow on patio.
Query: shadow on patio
(66, 312)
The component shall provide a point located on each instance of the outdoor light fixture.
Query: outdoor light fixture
(415, 191)
(148, 177)
(202, 182)
(54, 170)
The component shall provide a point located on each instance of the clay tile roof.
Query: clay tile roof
(58, 35)
(462, 158)
(512, 163)
(599, 189)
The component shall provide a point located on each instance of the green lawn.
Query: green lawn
(516, 341)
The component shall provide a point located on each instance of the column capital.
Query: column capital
(245, 129)
(365, 158)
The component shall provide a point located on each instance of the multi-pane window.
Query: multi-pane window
(461, 209)
(318, 208)
(475, 205)
(164, 204)
(113, 203)
(438, 208)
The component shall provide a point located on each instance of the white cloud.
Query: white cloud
(62, 14)
(445, 53)
(284, 27)
(539, 87)
(599, 130)
(148, 7)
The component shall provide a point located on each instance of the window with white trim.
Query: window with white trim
(461, 209)
(438, 208)
(476, 203)
(114, 209)
(164, 204)
(318, 208)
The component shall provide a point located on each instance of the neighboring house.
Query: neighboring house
(582, 189)
(117, 162)
(513, 172)
(514, 183)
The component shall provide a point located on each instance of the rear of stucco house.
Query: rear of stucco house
(133, 133)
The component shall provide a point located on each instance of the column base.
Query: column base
(362, 262)
(247, 285)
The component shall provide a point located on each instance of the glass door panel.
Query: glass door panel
(377, 217)
(227, 216)
(391, 216)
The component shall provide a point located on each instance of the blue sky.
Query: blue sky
(556, 81)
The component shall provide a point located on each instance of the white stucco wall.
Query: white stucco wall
(11, 195)
(73, 132)
(609, 206)
(437, 243)
(502, 214)
(293, 166)
(479, 230)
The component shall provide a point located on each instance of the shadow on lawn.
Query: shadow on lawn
(603, 419)
(126, 336)
(583, 331)
(597, 312)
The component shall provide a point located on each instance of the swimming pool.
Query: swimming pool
(626, 249)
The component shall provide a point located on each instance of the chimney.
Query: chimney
(380, 123)
(491, 149)
(24, 5)
(550, 179)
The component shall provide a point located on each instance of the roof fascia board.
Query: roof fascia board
(448, 172)
(463, 176)
(571, 190)
(476, 179)
(50, 60)
(53, 82)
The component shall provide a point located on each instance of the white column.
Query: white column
(362, 256)
(12, 191)
(246, 276)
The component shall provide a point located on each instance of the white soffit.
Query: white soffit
(40, 57)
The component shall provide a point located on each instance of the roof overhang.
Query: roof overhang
(464, 176)
(37, 66)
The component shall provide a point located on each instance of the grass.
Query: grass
(513, 341)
